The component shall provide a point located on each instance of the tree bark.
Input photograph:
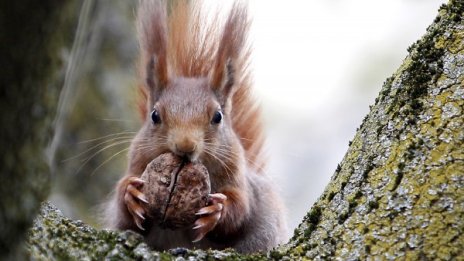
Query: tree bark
(398, 193)
(32, 35)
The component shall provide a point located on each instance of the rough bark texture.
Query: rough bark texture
(31, 37)
(56, 237)
(398, 193)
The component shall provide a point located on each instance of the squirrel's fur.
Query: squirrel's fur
(194, 66)
(190, 46)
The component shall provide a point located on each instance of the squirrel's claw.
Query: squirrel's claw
(210, 209)
(136, 181)
(217, 197)
(210, 216)
(139, 224)
(134, 200)
(205, 224)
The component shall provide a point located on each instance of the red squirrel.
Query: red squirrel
(197, 103)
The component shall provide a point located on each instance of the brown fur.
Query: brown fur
(195, 49)
(191, 69)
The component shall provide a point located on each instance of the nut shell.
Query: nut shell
(175, 190)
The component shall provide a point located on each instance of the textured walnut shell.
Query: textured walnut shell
(175, 190)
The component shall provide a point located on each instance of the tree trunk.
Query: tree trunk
(32, 35)
(398, 193)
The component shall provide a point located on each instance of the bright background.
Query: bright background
(318, 65)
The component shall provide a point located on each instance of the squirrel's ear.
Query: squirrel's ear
(156, 78)
(223, 84)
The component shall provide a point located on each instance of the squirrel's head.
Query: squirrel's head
(192, 69)
(190, 116)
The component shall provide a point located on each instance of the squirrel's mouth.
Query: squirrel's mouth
(189, 158)
(186, 156)
(186, 159)
(193, 158)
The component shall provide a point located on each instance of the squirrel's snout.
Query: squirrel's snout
(188, 145)
(182, 149)
(186, 148)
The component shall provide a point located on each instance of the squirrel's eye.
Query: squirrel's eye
(217, 117)
(155, 117)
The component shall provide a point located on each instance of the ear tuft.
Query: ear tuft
(156, 77)
(223, 89)
(229, 75)
(150, 74)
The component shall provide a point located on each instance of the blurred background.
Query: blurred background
(318, 65)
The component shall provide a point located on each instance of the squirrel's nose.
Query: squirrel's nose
(185, 148)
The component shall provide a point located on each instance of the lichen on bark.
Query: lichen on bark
(54, 236)
(399, 191)
(397, 194)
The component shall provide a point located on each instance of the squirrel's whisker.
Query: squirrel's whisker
(119, 139)
(226, 167)
(109, 159)
(85, 161)
(110, 135)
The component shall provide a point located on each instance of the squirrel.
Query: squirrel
(197, 103)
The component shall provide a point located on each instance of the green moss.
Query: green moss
(73, 240)
(368, 169)
(342, 217)
(338, 168)
(314, 215)
(373, 204)
(331, 196)
(276, 255)
(385, 89)
(343, 184)
(312, 218)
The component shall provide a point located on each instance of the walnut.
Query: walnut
(175, 190)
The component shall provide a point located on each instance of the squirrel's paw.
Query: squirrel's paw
(135, 200)
(209, 215)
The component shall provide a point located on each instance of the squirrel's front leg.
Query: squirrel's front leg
(225, 213)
